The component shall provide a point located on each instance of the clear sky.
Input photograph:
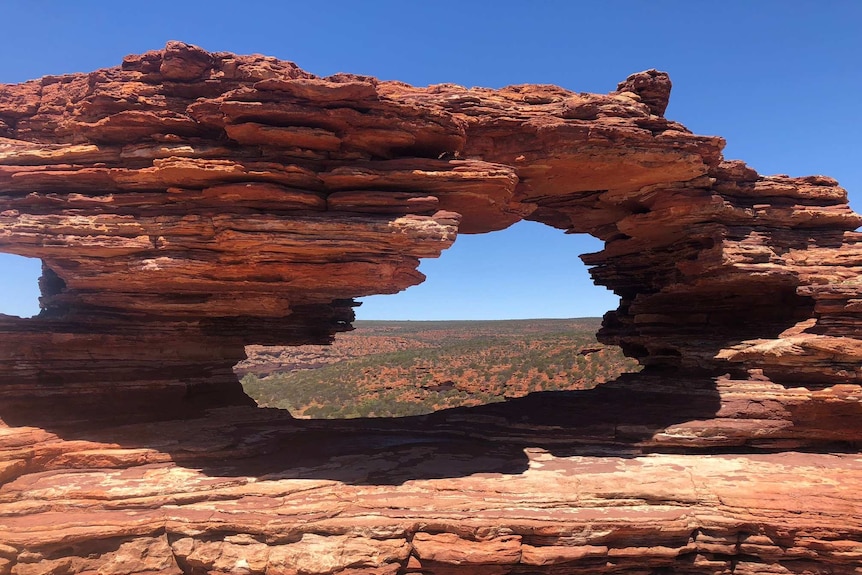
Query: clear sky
(779, 79)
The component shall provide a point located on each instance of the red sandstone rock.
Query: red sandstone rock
(652, 87)
(186, 204)
(223, 493)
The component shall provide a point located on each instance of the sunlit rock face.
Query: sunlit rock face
(188, 203)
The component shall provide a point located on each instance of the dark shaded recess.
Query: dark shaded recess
(50, 284)
(729, 313)
(307, 324)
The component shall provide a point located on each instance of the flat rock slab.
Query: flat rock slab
(246, 490)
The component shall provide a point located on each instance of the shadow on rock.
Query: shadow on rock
(620, 418)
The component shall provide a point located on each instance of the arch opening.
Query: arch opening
(501, 315)
(19, 285)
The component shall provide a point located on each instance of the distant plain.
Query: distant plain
(400, 368)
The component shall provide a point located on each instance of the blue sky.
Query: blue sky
(780, 80)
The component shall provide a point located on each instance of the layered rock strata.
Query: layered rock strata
(188, 203)
(512, 488)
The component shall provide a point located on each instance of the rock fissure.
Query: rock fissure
(188, 203)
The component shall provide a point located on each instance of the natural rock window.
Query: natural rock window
(252, 202)
(190, 203)
(19, 292)
(526, 271)
(449, 353)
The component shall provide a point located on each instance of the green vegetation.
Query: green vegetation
(446, 364)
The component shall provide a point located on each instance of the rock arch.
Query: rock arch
(242, 200)
(189, 203)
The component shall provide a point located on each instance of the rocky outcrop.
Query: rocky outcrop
(187, 204)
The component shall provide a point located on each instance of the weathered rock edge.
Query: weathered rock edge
(189, 203)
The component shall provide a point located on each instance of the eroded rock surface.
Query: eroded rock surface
(186, 204)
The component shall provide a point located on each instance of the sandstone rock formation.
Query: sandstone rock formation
(186, 204)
